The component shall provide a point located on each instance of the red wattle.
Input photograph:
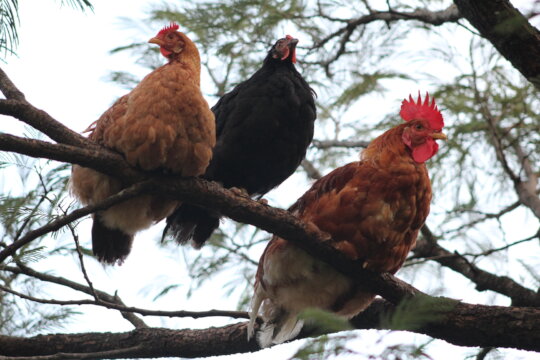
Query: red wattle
(165, 52)
(423, 152)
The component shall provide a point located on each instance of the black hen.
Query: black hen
(263, 128)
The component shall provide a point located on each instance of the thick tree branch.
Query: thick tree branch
(15, 105)
(95, 157)
(285, 225)
(212, 196)
(427, 247)
(272, 220)
(509, 31)
(9, 89)
(43, 122)
(465, 324)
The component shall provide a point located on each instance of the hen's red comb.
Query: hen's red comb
(171, 27)
(288, 37)
(418, 111)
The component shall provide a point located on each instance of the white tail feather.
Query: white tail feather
(289, 330)
(256, 302)
(276, 331)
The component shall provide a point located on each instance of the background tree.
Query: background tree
(9, 21)
(480, 240)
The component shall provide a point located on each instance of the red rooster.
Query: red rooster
(164, 123)
(373, 210)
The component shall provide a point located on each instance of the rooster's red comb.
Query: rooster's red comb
(171, 27)
(422, 111)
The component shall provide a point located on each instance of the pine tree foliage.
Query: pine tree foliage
(9, 22)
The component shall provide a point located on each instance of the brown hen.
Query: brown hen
(373, 210)
(163, 124)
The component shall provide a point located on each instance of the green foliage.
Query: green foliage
(365, 84)
(414, 313)
(44, 184)
(329, 347)
(9, 19)
(325, 322)
(81, 4)
(227, 251)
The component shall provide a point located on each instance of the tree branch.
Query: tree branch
(109, 301)
(310, 169)
(276, 221)
(525, 189)
(74, 215)
(325, 144)
(95, 157)
(465, 324)
(450, 14)
(43, 122)
(9, 89)
(428, 247)
(209, 195)
(509, 31)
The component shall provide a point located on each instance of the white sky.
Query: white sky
(63, 58)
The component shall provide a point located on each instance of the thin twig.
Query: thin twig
(326, 144)
(451, 14)
(428, 246)
(81, 262)
(48, 301)
(486, 216)
(110, 301)
(74, 215)
(32, 212)
(311, 170)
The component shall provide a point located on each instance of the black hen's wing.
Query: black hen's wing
(263, 128)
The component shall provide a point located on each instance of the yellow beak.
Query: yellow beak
(156, 41)
(439, 136)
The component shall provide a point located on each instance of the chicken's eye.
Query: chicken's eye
(419, 127)
(170, 36)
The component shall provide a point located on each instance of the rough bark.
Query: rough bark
(509, 31)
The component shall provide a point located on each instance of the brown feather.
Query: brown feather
(373, 210)
(164, 123)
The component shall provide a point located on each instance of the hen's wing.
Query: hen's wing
(371, 212)
(263, 129)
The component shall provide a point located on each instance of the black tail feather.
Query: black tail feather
(190, 222)
(110, 246)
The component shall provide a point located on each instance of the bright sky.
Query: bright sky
(63, 59)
